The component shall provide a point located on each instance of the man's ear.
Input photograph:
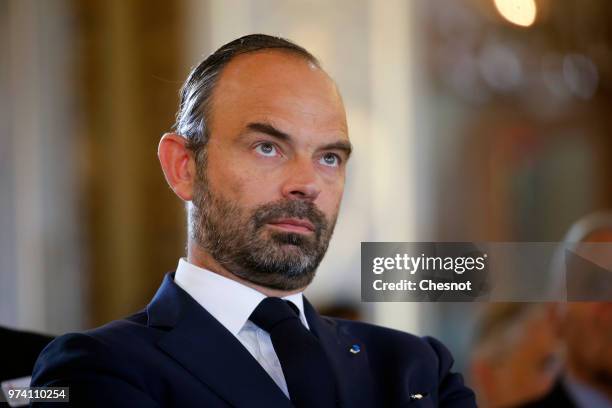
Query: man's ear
(178, 164)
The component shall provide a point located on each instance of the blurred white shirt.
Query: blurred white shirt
(232, 303)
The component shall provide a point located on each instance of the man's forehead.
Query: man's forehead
(279, 84)
(280, 72)
(271, 65)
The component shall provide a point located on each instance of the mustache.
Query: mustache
(290, 209)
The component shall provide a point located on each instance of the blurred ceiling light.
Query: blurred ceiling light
(519, 12)
(465, 81)
(581, 76)
(500, 67)
(553, 77)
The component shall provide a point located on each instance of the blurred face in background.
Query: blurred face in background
(271, 180)
(589, 341)
(588, 327)
(523, 362)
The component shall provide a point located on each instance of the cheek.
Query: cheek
(224, 173)
(225, 182)
(329, 202)
(337, 192)
(247, 188)
(242, 178)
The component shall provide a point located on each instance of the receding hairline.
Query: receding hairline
(313, 64)
(295, 55)
(276, 50)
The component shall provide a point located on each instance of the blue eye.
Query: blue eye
(266, 149)
(330, 159)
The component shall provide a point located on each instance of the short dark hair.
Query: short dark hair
(195, 95)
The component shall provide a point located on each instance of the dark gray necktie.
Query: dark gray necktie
(307, 370)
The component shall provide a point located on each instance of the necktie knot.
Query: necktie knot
(272, 311)
(310, 377)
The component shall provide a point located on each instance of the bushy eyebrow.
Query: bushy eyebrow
(268, 129)
(342, 145)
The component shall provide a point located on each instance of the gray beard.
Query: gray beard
(241, 242)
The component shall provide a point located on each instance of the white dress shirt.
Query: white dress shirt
(232, 303)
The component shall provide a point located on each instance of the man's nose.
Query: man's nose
(302, 181)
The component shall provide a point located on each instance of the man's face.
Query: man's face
(589, 335)
(589, 324)
(268, 192)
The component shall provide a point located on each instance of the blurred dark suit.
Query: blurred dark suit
(19, 352)
(556, 397)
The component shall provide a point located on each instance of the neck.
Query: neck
(198, 257)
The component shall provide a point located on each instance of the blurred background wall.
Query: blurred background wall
(471, 122)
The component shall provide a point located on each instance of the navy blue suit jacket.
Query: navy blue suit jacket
(174, 353)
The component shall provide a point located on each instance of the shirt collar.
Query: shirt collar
(227, 300)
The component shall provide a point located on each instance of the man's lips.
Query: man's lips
(293, 225)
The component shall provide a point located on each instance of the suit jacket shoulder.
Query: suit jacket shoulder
(102, 366)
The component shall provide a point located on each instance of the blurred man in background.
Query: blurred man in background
(587, 327)
(553, 355)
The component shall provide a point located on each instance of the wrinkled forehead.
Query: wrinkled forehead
(279, 84)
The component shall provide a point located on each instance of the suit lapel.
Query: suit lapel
(353, 373)
(206, 349)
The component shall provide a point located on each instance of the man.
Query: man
(587, 326)
(259, 156)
